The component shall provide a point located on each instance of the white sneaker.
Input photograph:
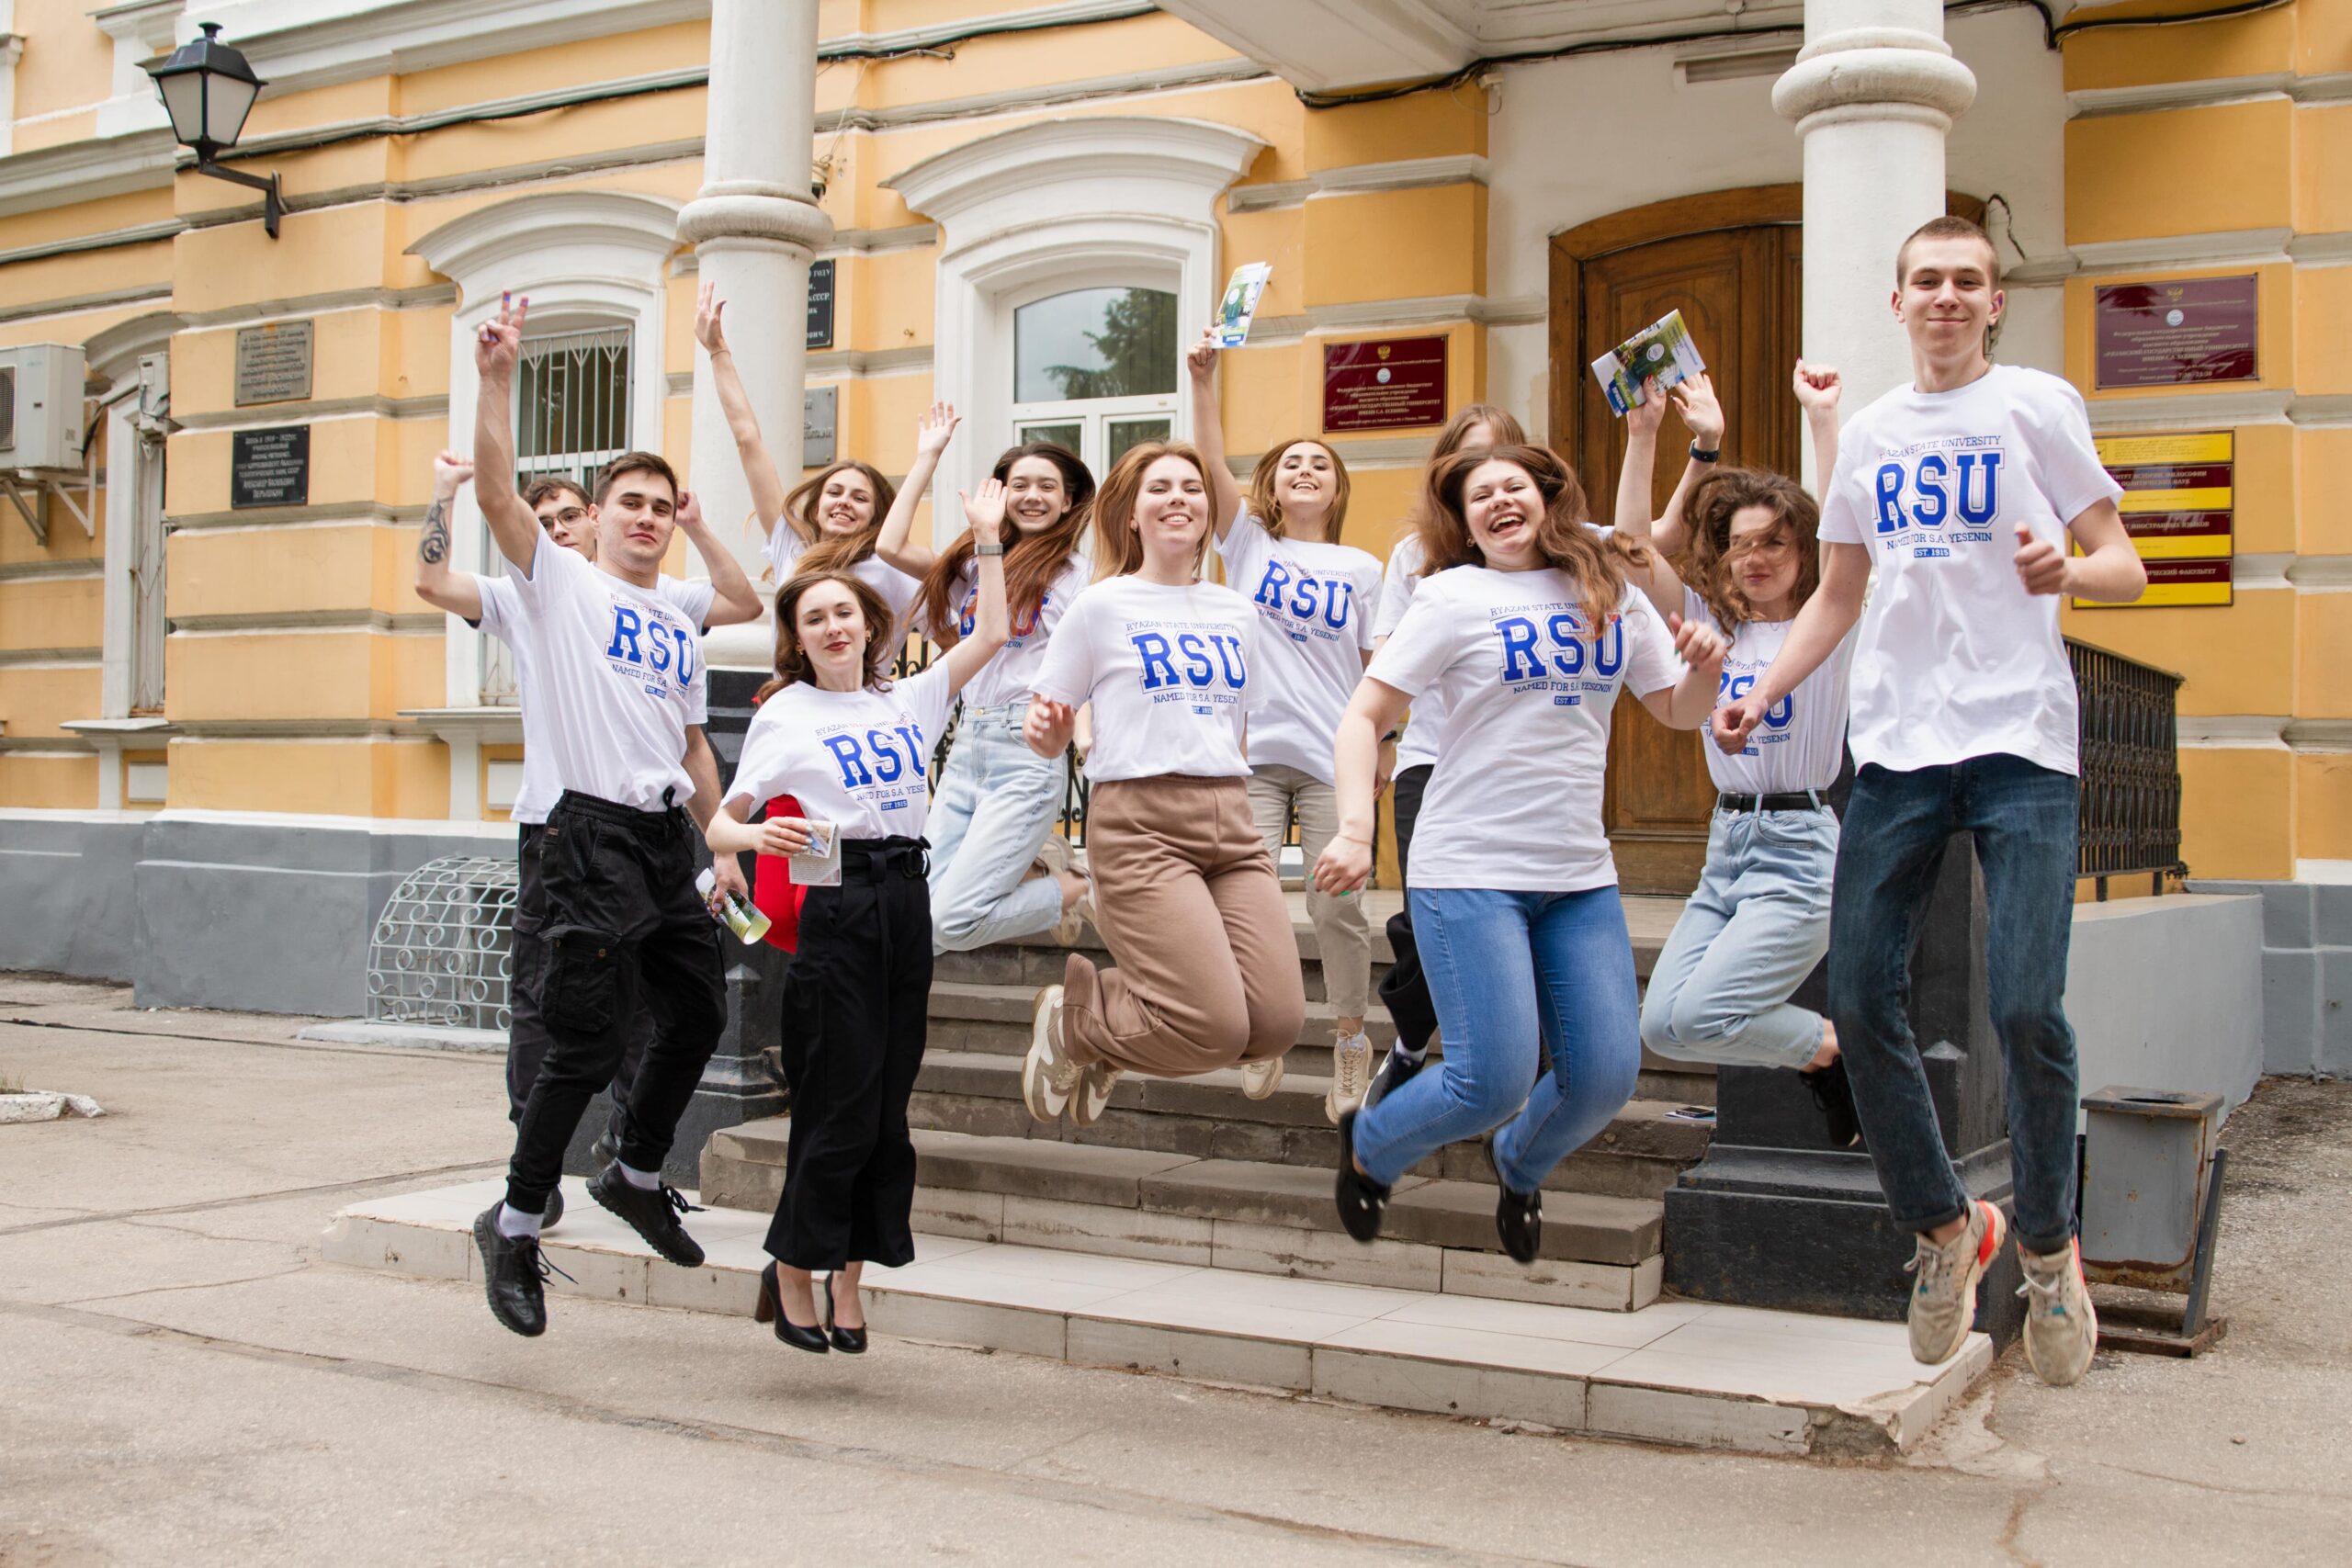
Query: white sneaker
(1943, 1304)
(1047, 1074)
(1260, 1079)
(1071, 929)
(2061, 1324)
(1350, 1076)
(1095, 1081)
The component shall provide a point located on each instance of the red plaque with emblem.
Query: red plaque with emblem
(1389, 384)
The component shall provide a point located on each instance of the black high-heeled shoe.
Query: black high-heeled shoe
(770, 1307)
(848, 1341)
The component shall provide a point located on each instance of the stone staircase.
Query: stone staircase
(1190, 1171)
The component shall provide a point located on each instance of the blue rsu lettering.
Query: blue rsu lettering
(627, 624)
(1198, 670)
(1530, 652)
(1158, 671)
(1967, 484)
(845, 752)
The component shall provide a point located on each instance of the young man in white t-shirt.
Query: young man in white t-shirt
(566, 512)
(621, 682)
(1961, 490)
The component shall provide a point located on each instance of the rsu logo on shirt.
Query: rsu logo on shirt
(649, 646)
(1948, 491)
(1206, 665)
(879, 756)
(1552, 648)
(1731, 686)
(1288, 593)
(967, 616)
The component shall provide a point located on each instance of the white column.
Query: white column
(1873, 94)
(754, 227)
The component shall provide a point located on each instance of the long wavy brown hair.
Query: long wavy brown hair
(1711, 557)
(1265, 488)
(1031, 561)
(792, 665)
(828, 553)
(1118, 549)
(1507, 430)
(1562, 540)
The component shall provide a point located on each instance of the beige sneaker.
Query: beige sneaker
(1049, 1076)
(2061, 1324)
(1943, 1304)
(1095, 1081)
(1350, 1076)
(1071, 929)
(1260, 1079)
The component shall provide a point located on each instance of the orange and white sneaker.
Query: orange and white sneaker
(2061, 1324)
(1943, 1304)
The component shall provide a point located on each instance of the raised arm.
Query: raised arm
(895, 543)
(733, 599)
(1660, 583)
(1702, 414)
(1824, 622)
(455, 592)
(1346, 863)
(991, 623)
(750, 448)
(1208, 433)
(496, 349)
(1818, 388)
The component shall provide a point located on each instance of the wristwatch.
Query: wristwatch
(988, 549)
(1698, 455)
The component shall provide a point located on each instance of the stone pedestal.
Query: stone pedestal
(740, 1084)
(1774, 1218)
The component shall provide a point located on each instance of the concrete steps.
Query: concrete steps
(1674, 1372)
(1600, 1253)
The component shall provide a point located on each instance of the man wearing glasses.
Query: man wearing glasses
(488, 603)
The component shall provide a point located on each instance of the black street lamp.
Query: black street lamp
(207, 89)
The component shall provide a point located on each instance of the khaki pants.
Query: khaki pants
(1186, 900)
(1342, 940)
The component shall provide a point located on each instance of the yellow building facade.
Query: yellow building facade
(182, 644)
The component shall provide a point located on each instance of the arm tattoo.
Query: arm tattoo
(434, 546)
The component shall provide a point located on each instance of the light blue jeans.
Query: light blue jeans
(997, 801)
(1508, 971)
(1753, 930)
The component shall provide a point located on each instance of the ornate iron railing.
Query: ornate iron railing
(2130, 821)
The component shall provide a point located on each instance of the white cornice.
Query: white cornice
(559, 224)
(2238, 247)
(294, 52)
(941, 33)
(2329, 87)
(1400, 173)
(2230, 732)
(85, 171)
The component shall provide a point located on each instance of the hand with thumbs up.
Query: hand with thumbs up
(2041, 565)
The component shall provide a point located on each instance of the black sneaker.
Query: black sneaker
(1519, 1216)
(511, 1269)
(605, 1150)
(1361, 1199)
(1395, 1068)
(1833, 1095)
(553, 1215)
(652, 1212)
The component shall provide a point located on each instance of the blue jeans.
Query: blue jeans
(1509, 970)
(997, 801)
(1753, 930)
(1897, 824)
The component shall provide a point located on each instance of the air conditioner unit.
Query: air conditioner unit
(41, 406)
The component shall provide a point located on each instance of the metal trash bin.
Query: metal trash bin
(2151, 1203)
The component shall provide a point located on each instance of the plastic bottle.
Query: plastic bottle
(737, 913)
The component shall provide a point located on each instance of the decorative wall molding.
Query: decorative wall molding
(1400, 173)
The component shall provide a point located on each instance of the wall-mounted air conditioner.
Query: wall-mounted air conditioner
(41, 406)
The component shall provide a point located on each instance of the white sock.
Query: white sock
(512, 1224)
(646, 1180)
(1359, 1040)
(1412, 1055)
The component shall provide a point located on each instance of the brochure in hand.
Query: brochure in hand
(1240, 303)
(1662, 350)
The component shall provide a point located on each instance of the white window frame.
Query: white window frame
(133, 361)
(1095, 415)
(586, 259)
(1052, 206)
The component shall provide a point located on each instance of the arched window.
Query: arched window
(1095, 369)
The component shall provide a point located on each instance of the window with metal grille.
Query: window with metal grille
(571, 417)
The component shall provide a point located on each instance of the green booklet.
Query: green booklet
(1240, 303)
(1662, 352)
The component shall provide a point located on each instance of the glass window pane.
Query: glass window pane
(1095, 343)
(1126, 433)
(1070, 435)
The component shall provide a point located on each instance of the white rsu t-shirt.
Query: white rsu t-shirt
(1802, 742)
(1011, 675)
(1168, 670)
(1316, 603)
(1527, 688)
(502, 617)
(786, 547)
(858, 759)
(1954, 659)
(618, 674)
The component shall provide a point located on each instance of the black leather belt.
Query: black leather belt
(1800, 800)
(870, 859)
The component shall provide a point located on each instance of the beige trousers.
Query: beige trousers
(1341, 937)
(1186, 900)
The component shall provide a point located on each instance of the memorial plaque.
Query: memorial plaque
(1392, 384)
(820, 303)
(2179, 508)
(2176, 333)
(270, 467)
(274, 363)
(818, 405)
